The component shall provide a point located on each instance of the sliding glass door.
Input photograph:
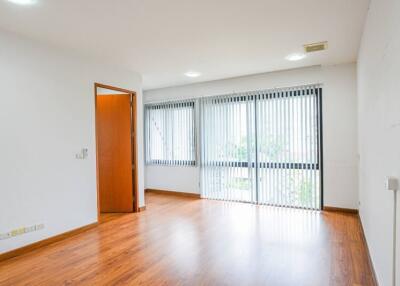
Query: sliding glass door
(228, 148)
(263, 147)
(288, 147)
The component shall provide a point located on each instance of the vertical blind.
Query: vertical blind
(170, 133)
(263, 147)
(228, 148)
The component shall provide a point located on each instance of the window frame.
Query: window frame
(171, 105)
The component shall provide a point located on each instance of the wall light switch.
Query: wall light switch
(392, 184)
(83, 154)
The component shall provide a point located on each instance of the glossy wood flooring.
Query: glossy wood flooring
(186, 241)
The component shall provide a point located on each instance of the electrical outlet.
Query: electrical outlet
(39, 226)
(391, 184)
(21, 230)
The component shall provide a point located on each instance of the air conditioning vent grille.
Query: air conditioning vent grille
(315, 47)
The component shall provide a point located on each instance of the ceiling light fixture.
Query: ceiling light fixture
(23, 2)
(192, 74)
(295, 57)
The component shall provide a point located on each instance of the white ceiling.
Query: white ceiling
(162, 39)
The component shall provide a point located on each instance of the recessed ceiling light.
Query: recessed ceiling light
(295, 57)
(192, 74)
(23, 2)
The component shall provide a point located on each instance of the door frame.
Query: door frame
(134, 121)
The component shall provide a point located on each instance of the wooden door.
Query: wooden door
(114, 147)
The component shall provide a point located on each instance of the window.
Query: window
(263, 147)
(170, 133)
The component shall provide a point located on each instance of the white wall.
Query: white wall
(46, 116)
(339, 122)
(379, 130)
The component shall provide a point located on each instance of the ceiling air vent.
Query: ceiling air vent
(315, 47)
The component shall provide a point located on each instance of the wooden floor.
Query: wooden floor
(187, 241)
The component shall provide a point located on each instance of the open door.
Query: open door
(114, 115)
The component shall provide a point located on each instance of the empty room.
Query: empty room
(184, 142)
